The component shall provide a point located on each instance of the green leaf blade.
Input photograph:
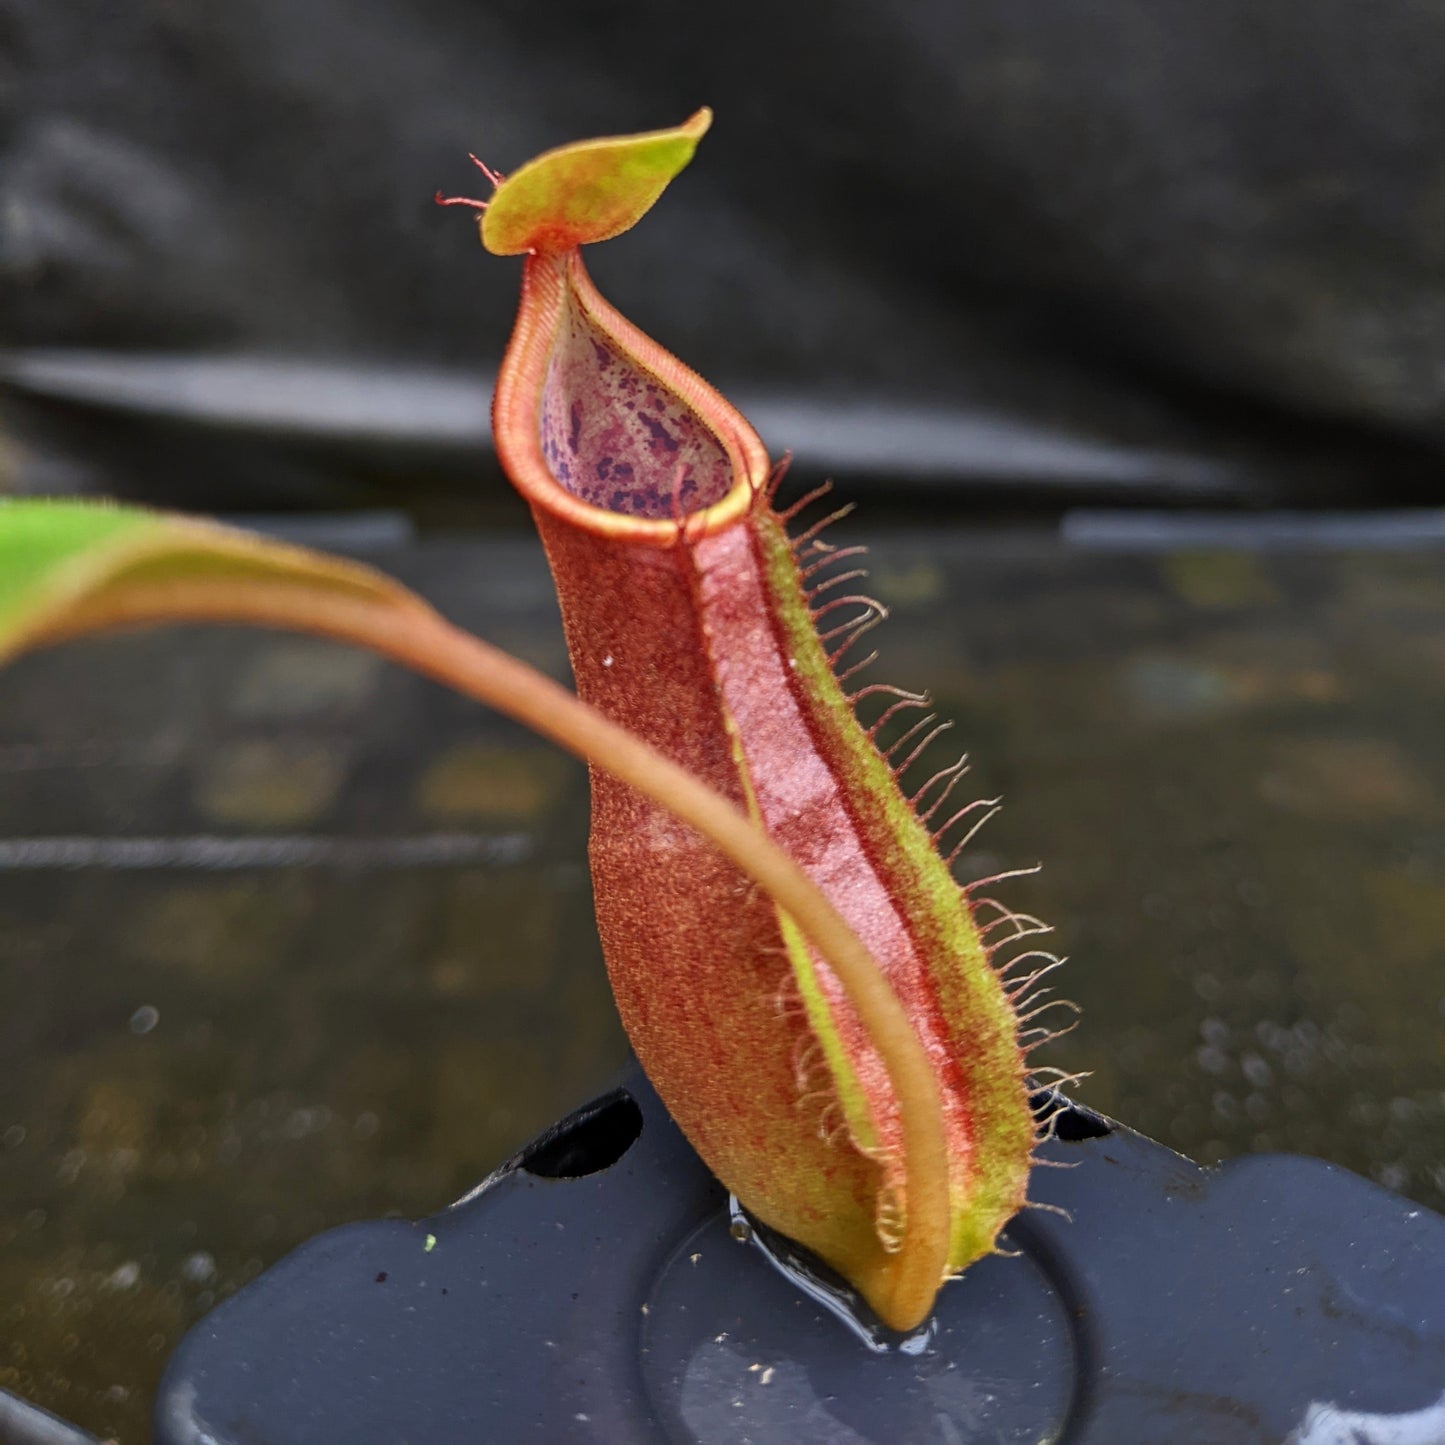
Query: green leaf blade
(68, 567)
(47, 549)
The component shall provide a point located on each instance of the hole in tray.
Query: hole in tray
(589, 1141)
(1069, 1121)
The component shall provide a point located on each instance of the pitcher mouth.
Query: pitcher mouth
(599, 425)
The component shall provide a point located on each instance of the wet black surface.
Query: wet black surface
(1149, 1300)
(343, 962)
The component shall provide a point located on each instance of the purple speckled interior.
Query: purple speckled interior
(615, 437)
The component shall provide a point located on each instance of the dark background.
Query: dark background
(1193, 250)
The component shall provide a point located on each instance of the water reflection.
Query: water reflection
(806, 1273)
(1326, 1424)
(734, 1351)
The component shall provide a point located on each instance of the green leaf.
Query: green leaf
(589, 191)
(72, 567)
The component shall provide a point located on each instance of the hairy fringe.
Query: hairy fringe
(1017, 986)
(890, 1219)
(811, 594)
(804, 502)
(1027, 1041)
(994, 809)
(802, 541)
(855, 629)
(815, 558)
(951, 775)
(906, 700)
(1024, 925)
(1049, 1209)
(766, 493)
(903, 740)
(1053, 1003)
(1001, 878)
(807, 1057)
(872, 614)
(853, 669)
(826, 556)
(1047, 1076)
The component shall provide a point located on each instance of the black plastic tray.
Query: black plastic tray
(593, 1289)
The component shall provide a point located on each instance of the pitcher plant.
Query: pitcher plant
(838, 1027)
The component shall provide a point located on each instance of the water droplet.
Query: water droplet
(125, 1276)
(199, 1267)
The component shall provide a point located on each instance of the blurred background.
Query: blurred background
(1124, 323)
(1190, 252)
